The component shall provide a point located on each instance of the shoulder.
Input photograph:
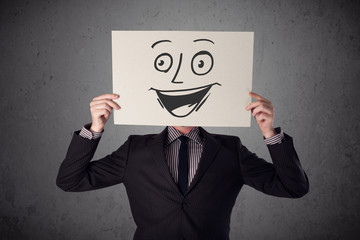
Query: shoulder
(223, 137)
(138, 139)
(228, 141)
(220, 137)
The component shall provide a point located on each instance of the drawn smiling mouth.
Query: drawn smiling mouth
(181, 103)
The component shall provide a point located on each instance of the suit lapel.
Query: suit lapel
(211, 148)
(156, 146)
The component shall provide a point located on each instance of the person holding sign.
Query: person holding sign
(183, 182)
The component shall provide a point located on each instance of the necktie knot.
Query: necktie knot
(183, 139)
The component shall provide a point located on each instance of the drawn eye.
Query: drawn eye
(202, 63)
(163, 62)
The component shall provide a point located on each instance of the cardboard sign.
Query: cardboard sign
(182, 78)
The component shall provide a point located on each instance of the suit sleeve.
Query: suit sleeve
(78, 173)
(284, 178)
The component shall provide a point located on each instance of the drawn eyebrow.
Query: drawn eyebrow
(152, 46)
(204, 39)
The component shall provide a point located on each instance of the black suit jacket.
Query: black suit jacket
(159, 209)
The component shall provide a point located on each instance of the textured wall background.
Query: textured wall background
(55, 56)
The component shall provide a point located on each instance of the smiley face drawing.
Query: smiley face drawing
(181, 102)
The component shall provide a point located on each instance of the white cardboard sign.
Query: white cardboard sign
(182, 78)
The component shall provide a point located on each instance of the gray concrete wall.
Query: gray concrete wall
(56, 56)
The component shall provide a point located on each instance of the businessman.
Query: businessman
(183, 182)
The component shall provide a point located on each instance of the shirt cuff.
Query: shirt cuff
(276, 139)
(86, 133)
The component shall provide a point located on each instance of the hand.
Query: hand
(263, 111)
(101, 108)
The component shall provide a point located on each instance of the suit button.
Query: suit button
(184, 206)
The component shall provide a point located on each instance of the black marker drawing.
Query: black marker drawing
(200, 63)
(182, 102)
(163, 62)
(204, 39)
(177, 70)
(160, 41)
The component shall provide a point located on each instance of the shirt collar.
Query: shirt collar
(174, 134)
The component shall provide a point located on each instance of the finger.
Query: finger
(254, 104)
(107, 96)
(257, 96)
(262, 108)
(102, 106)
(109, 102)
(107, 115)
(101, 112)
(262, 117)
